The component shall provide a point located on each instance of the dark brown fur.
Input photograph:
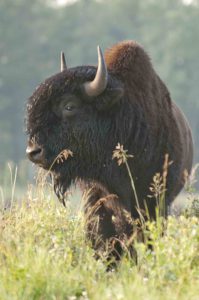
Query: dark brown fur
(143, 119)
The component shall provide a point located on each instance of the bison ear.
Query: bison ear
(110, 98)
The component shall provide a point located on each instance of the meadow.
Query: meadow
(44, 254)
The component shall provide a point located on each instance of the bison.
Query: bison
(89, 110)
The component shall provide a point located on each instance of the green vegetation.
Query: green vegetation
(44, 255)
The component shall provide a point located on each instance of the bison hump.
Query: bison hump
(129, 57)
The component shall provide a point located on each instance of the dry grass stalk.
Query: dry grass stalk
(122, 158)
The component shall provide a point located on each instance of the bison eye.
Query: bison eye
(69, 107)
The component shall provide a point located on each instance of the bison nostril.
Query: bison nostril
(34, 153)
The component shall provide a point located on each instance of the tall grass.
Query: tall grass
(44, 255)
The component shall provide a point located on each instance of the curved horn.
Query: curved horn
(63, 62)
(98, 85)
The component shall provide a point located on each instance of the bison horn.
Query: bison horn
(98, 85)
(63, 62)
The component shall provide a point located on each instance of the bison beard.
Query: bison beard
(88, 110)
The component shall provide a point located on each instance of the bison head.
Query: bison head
(74, 109)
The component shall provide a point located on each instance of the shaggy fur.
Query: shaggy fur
(135, 110)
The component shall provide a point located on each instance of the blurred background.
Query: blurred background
(32, 34)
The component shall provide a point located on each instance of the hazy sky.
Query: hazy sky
(63, 2)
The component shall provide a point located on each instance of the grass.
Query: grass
(44, 255)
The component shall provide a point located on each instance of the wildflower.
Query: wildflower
(120, 154)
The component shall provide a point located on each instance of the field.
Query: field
(44, 255)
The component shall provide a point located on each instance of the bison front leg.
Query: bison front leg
(109, 226)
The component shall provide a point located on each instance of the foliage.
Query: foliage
(44, 255)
